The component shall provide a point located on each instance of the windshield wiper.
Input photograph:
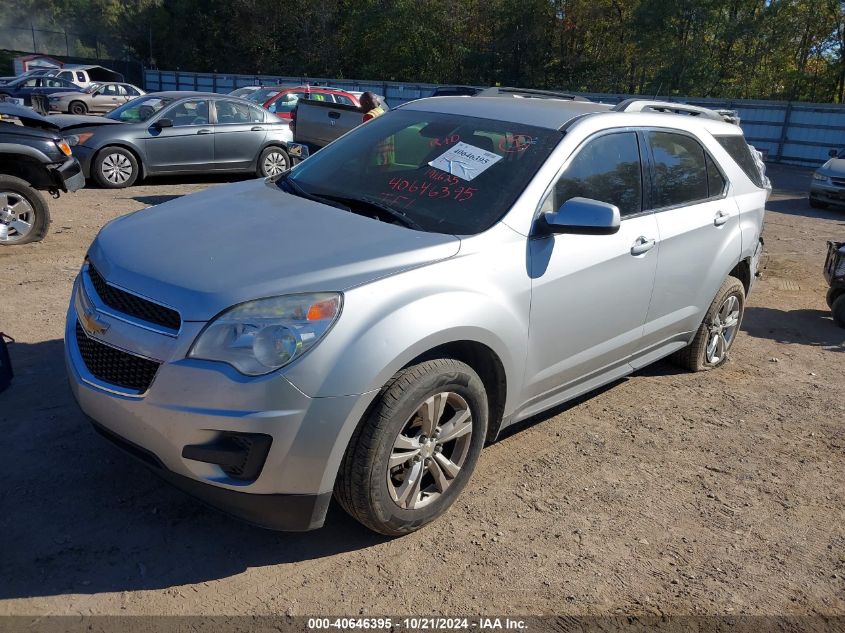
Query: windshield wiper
(380, 208)
(297, 190)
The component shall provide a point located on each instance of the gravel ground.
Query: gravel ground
(665, 493)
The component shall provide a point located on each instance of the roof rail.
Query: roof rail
(529, 93)
(669, 107)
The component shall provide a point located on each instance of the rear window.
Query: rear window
(446, 173)
(736, 146)
(680, 172)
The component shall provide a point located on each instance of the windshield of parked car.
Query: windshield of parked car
(262, 94)
(139, 109)
(92, 88)
(441, 173)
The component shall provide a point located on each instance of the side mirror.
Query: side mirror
(832, 153)
(163, 123)
(583, 216)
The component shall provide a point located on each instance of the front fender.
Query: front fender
(374, 338)
(363, 355)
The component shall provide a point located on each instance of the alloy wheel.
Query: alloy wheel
(116, 168)
(723, 330)
(274, 163)
(429, 451)
(16, 217)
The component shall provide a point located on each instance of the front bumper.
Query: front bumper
(293, 513)
(68, 176)
(191, 403)
(829, 194)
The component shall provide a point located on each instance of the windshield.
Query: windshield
(139, 109)
(241, 92)
(445, 173)
(262, 94)
(92, 88)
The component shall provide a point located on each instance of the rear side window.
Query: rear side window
(715, 180)
(606, 169)
(736, 146)
(680, 171)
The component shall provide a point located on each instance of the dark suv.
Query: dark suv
(32, 157)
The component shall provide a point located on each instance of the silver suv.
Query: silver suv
(363, 324)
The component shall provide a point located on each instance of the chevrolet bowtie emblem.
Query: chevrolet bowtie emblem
(91, 321)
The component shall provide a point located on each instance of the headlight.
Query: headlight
(260, 336)
(820, 177)
(78, 139)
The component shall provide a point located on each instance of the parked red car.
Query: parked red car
(282, 103)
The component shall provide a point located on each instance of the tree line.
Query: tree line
(763, 49)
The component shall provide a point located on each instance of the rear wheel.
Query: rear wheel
(115, 168)
(832, 295)
(817, 204)
(78, 107)
(272, 162)
(717, 331)
(412, 456)
(24, 215)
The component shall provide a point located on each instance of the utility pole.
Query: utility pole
(32, 28)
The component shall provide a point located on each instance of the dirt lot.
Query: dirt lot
(667, 493)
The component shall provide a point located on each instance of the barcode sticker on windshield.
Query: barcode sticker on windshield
(465, 161)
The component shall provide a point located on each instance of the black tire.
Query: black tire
(124, 168)
(815, 204)
(40, 212)
(838, 309)
(78, 107)
(362, 487)
(695, 355)
(832, 295)
(262, 167)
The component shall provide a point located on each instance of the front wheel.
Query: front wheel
(717, 332)
(115, 168)
(816, 204)
(272, 162)
(838, 309)
(412, 456)
(24, 215)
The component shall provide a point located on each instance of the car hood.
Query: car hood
(67, 122)
(208, 251)
(833, 167)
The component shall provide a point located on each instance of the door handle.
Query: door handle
(257, 128)
(642, 245)
(334, 115)
(204, 131)
(721, 218)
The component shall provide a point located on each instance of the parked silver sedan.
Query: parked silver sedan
(827, 188)
(363, 324)
(99, 97)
